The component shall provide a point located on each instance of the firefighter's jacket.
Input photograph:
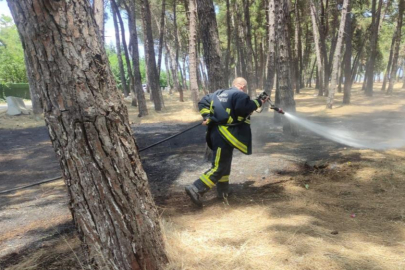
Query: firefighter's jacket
(229, 111)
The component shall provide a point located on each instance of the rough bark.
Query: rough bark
(161, 30)
(210, 39)
(348, 58)
(271, 56)
(228, 45)
(119, 54)
(153, 77)
(283, 64)
(318, 50)
(337, 56)
(98, 9)
(297, 49)
(396, 49)
(192, 52)
(249, 50)
(130, 7)
(373, 47)
(88, 125)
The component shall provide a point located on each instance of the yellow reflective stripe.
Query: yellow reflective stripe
(240, 118)
(247, 121)
(228, 110)
(204, 111)
(224, 130)
(224, 178)
(230, 120)
(211, 109)
(257, 103)
(216, 163)
(207, 181)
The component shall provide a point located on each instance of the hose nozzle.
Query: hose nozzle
(279, 110)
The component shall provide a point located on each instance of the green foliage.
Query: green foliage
(21, 90)
(12, 65)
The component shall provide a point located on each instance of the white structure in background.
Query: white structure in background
(16, 106)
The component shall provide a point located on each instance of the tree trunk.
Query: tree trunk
(162, 29)
(373, 45)
(98, 9)
(388, 71)
(283, 64)
(192, 52)
(210, 39)
(34, 92)
(131, 11)
(297, 49)
(249, 50)
(87, 120)
(119, 55)
(228, 46)
(176, 49)
(348, 58)
(337, 56)
(271, 56)
(396, 49)
(320, 75)
(126, 53)
(153, 77)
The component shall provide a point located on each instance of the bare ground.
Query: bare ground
(299, 203)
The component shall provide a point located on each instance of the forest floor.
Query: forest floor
(298, 203)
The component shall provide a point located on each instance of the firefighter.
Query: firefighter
(226, 114)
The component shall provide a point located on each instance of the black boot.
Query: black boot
(195, 191)
(222, 189)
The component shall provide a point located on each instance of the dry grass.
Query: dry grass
(302, 223)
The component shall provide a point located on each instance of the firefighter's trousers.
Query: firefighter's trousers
(221, 163)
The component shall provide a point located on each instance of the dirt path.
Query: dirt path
(299, 203)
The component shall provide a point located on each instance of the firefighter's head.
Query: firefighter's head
(240, 83)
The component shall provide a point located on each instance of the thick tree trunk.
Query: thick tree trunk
(210, 39)
(130, 7)
(373, 47)
(87, 120)
(153, 77)
(318, 50)
(119, 55)
(98, 9)
(337, 56)
(348, 58)
(283, 64)
(192, 52)
(271, 56)
(396, 49)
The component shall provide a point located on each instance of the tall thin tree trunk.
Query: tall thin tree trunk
(348, 58)
(388, 70)
(192, 52)
(153, 77)
(126, 53)
(318, 51)
(373, 45)
(249, 50)
(228, 46)
(131, 11)
(210, 40)
(162, 29)
(337, 56)
(98, 9)
(297, 49)
(397, 45)
(283, 63)
(119, 55)
(271, 56)
(88, 125)
(176, 49)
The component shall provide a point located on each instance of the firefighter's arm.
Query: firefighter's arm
(204, 108)
(244, 105)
